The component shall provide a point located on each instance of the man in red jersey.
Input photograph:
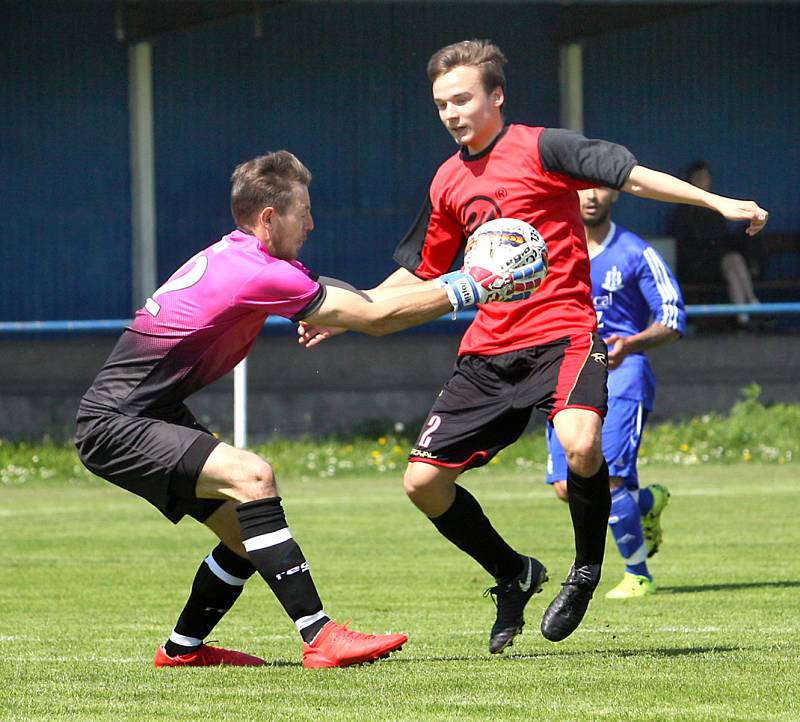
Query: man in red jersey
(542, 353)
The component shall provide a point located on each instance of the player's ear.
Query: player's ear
(265, 216)
(498, 97)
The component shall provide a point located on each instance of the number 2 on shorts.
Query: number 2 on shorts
(433, 423)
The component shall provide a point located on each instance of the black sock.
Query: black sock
(589, 506)
(217, 585)
(466, 526)
(278, 559)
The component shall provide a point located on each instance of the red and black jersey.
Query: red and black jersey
(531, 174)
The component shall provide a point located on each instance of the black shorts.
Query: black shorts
(157, 459)
(487, 402)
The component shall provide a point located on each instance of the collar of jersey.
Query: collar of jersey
(604, 243)
(464, 154)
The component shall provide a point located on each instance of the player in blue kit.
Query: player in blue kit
(639, 306)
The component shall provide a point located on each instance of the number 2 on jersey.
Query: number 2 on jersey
(199, 264)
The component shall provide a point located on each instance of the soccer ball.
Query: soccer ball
(505, 244)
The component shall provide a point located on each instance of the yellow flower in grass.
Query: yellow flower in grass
(746, 455)
(382, 441)
(396, 449)
(684, 447)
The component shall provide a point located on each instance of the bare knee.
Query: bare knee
(579, 432)
(257, 482)
(584, 456)
(732, 262)
(415, 482)
(727, 263)
(231, 473)
(560, 489)
(430, 488)
(583, 449)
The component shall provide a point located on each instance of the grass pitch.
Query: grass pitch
(92, 579)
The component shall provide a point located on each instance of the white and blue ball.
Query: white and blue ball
(505, 244)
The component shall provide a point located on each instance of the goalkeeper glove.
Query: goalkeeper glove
(477, 285)
(444, 279)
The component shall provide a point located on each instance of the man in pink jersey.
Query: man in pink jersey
(543, 353)
(134, 429)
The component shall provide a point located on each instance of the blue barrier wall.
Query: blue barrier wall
(720, 84)
(64, 178)
(343, 86)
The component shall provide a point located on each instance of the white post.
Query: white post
(570, 76)
(240, 404)
(143, 195)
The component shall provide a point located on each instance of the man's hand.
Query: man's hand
(467, 288)
(309, 335)
(656, 334)
(735, 210)
(618, 349)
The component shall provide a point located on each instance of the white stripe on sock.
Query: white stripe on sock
(262, 541)
(218, 571)
(639, 556)
(304, 622)
(176, 638)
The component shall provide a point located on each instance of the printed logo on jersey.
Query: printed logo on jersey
(501, 193)
(613, 280)
(601, 305)
(477, 211)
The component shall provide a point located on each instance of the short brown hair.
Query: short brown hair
(481, 54)
(265, 181)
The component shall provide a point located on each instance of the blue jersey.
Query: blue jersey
(633, 287)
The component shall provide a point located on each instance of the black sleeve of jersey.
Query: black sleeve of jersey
(311, 306)
(408, 253)
(596, 161)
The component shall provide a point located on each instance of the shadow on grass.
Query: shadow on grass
(626, 653)
(694, 588)
(539, 656)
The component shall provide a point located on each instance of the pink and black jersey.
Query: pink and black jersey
(531, 174)
(198, 325)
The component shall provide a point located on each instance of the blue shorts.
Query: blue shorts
(622, 435)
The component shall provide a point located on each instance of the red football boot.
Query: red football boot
(206, 656)
(338, 646)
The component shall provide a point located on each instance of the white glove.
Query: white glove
(468, 288)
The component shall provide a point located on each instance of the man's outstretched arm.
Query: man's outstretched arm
(648, 183)
(398, 283)
(345, 308)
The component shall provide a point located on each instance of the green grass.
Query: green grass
(750, 433)
(92, 578)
